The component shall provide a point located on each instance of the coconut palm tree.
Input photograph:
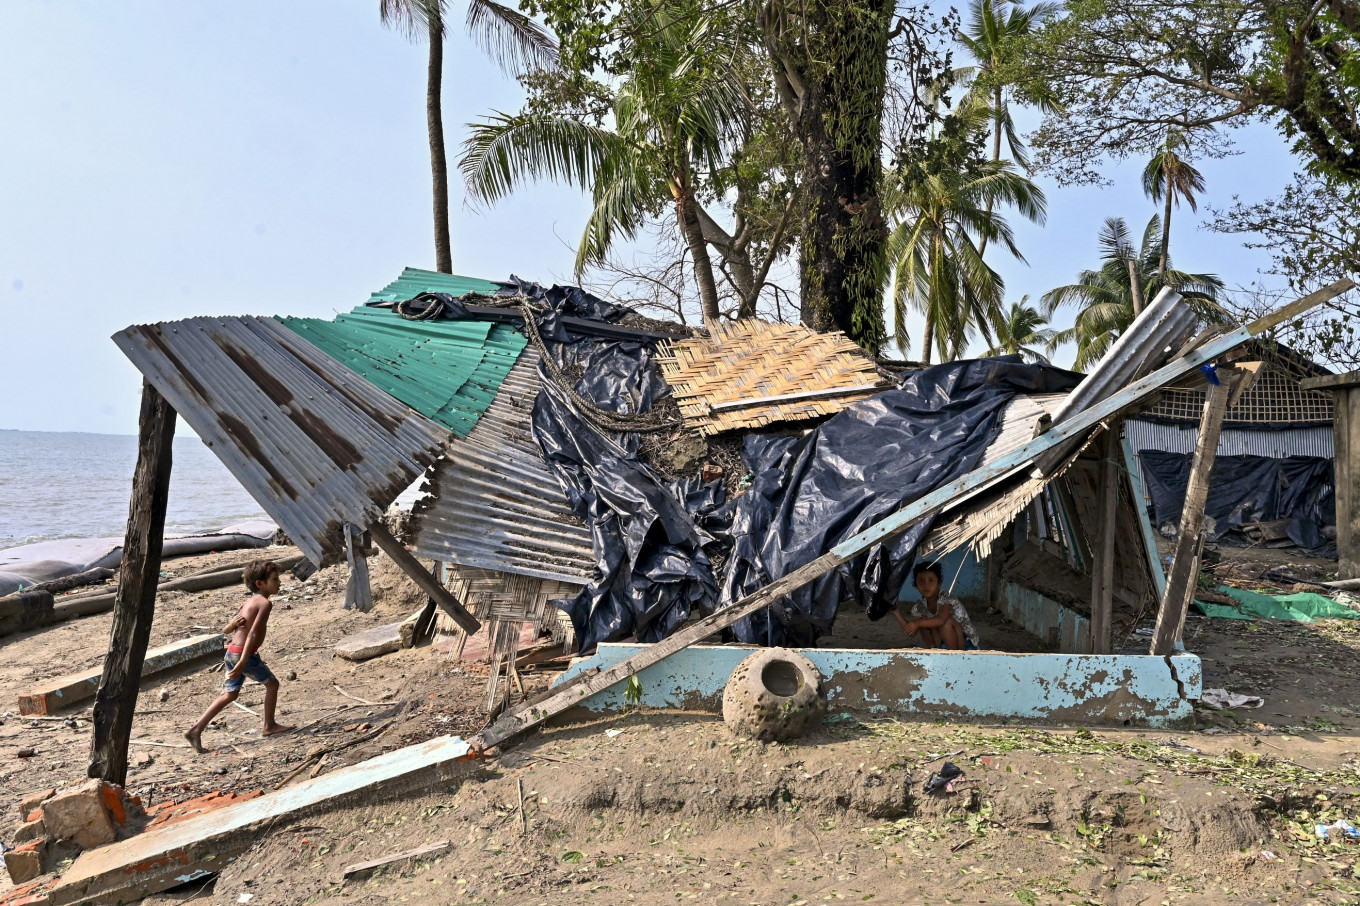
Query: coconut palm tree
(513, 40)
(677, 114)
(937, 264)
(1106, 298)
(1169, 177)
(994, 29)
(1022, 331)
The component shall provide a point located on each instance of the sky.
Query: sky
(162, 160)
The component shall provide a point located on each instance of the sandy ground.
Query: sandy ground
(675, 809)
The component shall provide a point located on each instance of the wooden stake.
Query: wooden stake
(358, 593)
(1180, 582)
(411, 566)
(116, 698)
(1102, 565)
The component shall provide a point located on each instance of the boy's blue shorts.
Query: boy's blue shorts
(255, 669)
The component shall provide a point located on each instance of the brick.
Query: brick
(23, 864)
(79, 815)
(32, 801)
(29, 831)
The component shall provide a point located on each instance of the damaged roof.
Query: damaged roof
(414, 281)
(314, 443)
(449, 371)
(749, 374)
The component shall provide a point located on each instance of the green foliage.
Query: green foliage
(1105, 297)
(943, 203)
(1022, 332)
(632, 692)
(1126, 70)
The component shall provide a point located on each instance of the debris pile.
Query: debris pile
(55, 827)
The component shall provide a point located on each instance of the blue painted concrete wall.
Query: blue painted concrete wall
(1056, 688)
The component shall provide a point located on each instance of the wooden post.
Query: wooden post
(1180, 582)
(411, 566)
(1102, 561)
(116, 699)
(358, 591)
(1345, 389)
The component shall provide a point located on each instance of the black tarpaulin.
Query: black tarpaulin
(1244, 489)
(813, 491)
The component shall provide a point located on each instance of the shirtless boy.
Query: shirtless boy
(243, 658)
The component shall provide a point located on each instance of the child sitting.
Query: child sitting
(938, 620)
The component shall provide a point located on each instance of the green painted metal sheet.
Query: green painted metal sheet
(448, 371)
(414, 281)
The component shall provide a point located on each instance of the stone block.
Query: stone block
(24, 863)
(33, 801)
(81, 816)
(30, 831)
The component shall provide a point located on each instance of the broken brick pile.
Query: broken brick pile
(56, 826)
(174, 812)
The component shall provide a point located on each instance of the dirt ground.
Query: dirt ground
(673, 808)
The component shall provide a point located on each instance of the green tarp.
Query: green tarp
(1304, 607)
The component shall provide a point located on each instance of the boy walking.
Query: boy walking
(243, 658)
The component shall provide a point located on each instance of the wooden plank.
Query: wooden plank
(1346, 429)
(64, 691)
(952, 494)
(1180, 582)
(360, 870)
(197, 847)
(411, 566)
(1139, 502)
(1102, 565)
(833, 393)
(116, 698)
(358, 591)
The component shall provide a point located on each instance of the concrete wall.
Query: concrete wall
(1053, 688)
(1057, 626)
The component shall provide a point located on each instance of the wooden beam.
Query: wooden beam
(1149, 535)
(954, 493)
(805, 396)
(1180, 582)
(1346, 428)
(116, 699)
(361, 870)
(1102, 563)
(65, 691)
(411, 566)
(358, 591)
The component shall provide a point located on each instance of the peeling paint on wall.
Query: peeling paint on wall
(1135, 690)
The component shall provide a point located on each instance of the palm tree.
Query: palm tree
(1108, 298)
(937, 266)
(512, 39)
(994, 29)
(677, 115)
(1022, 331)
(1170, 177)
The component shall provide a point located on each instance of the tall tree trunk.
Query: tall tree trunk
(688, 216)
(1135, 286)
(929, 344)
(439, 166)
(996, 156)
(1166, 233)
(838, 57)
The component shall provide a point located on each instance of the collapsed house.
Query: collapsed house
(754, 485)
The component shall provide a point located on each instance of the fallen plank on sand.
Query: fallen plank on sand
(174, 854)
(67, 690)
(361, 870)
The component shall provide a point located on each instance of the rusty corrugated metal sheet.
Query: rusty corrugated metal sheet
(314, 443)
(494, 504)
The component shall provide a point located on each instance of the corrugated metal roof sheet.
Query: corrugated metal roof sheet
(1275, 443)
(494, 504)
(314, 443)
(448, 371)
(414, 281)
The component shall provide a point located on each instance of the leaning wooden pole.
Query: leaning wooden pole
(1181, 581)
(116, 699)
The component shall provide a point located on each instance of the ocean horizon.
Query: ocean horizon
(77, 484)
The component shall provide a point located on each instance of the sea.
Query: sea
(76, 485)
